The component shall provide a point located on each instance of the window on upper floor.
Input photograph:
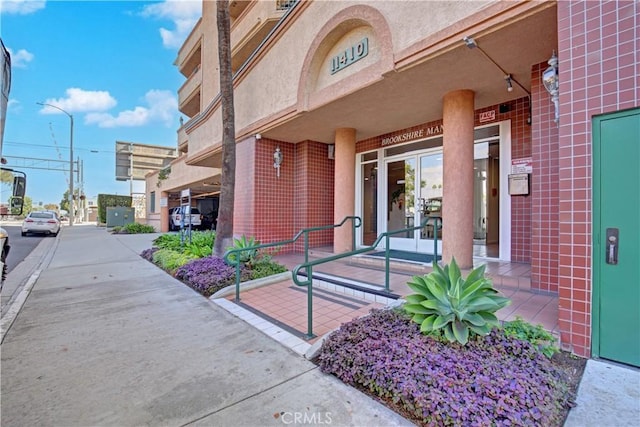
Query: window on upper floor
(284, 4)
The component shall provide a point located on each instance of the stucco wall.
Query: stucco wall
(272, 84)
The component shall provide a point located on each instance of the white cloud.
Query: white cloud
(130, 118)
(79, 100)
(20, 58)
(183, 13)
(162, 107)
(13, 105)
(21, 7)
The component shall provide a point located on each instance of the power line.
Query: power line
(58, 149)
(26, 144)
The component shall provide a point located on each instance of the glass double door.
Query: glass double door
(414, 194)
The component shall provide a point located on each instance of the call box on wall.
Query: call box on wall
(519, 184)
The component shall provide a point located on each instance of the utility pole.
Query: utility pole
(131, 169)
(71, 213)
(80, 216)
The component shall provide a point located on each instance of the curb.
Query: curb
(45, 251)
(17, 304)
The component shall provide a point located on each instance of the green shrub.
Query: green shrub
(444, 300)
(536, 335)
(197, 251)
(136, 228)
(168, 241)
(170, 260)
(201, 243)
(266, 267)
(115, 230)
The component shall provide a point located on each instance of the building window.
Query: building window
(152, 203)
(285, 4)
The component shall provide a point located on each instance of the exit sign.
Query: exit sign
(487, 116)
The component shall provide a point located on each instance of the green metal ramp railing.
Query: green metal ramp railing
(235, 261)
(308, 265)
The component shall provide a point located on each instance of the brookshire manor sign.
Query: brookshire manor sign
(410, 136)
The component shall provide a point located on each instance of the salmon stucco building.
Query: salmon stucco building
(517, 123)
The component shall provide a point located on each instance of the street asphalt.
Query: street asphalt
(93, 335)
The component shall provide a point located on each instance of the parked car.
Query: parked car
(177, 214)
(45, 222)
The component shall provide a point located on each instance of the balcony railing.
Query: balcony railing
(189, 54)
(189, 88)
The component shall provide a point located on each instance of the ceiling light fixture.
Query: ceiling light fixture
(509, 86)
(471, 44)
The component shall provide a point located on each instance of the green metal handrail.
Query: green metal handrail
(308, 265)
(355, 221)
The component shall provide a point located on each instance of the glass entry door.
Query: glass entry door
(486, 199)
(430, 203)
(401, 175)
(414, 193)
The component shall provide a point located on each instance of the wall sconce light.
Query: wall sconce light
(277, 160)
(509, 86)
(551, 82)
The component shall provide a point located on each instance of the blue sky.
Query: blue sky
(110, 65)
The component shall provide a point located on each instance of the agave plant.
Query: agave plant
(248, 256)
(444, 300)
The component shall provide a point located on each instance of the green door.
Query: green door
(616, 237)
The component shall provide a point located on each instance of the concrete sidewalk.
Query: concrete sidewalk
(106, 338)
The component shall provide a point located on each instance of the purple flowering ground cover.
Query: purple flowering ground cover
(494, 380)
(208, 275)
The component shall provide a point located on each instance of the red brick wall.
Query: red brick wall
(599, 73)
(273, 208)
(545, 223)
(272, 211)
(244, 190)
(314, 192)
(518, 113)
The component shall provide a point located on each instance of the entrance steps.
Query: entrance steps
(355, 288)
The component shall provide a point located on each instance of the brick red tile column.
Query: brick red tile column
(545, 232)
(457, 199)
(344, 192)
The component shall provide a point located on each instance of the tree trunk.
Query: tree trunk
(224, 229)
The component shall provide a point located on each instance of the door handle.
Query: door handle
(612, 246)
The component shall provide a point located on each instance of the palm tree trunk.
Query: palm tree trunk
(224, 229)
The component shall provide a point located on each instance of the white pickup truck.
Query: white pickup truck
(190, 214)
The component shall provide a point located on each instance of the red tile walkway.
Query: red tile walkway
(283, 305)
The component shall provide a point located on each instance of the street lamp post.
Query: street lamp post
(70, 160)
